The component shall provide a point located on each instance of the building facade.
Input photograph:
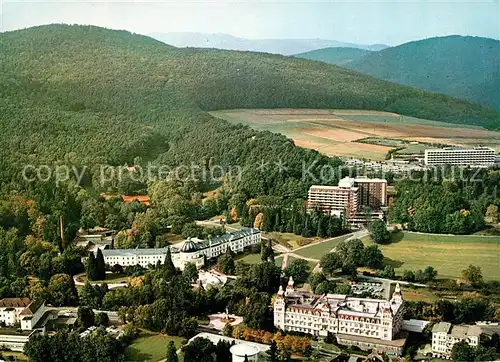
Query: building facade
(190, 251)
(445, 335)
(478, 156)
(372, 192)
(366, 323)
(31, 316)
(350, 198)
(334, 200)
(21, 311)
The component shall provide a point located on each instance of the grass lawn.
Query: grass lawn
(255, 259)
(13, 356)
(110, 279)
(422, 294)
(316, 251)
(248, 258)
(150, 347)
(448, 254)
(289, 239)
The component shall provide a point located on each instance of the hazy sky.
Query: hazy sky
(369, 21)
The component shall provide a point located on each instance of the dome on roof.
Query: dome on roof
(244, 349)
(189, 247)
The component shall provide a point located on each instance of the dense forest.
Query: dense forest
(460, 66)
(443, 203)
(85, 95)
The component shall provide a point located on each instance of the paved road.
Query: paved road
(113, 316)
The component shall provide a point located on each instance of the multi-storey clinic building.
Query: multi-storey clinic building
(190, 251)
(445, 335)
(478, 156)
(349, 196)
(366, 323)
(341, 199)
(372, 192)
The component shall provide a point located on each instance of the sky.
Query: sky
(364, 22)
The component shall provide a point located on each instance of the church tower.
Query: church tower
(279, 309)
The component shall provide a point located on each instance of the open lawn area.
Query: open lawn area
(150, 347)
(255, 259)
(248, 258)
(416, 294)
(448, 254)
(316, 251)
(290, 240)
(111, 278)
(13, 356)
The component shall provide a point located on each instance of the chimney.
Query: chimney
(61, 227)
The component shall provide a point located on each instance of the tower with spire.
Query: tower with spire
(279, 309)
(397, 297)
(289, 288)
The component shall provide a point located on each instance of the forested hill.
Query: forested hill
(463, 67)
(338, 56)
(89, 95)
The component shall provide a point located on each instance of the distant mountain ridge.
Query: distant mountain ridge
(460, 66)
(338, 56)
(274, 46)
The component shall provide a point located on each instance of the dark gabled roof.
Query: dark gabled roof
(32, 308)
(14, 302)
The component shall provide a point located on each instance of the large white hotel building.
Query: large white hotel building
(349, 198)
(190, 251)
(365, 323)
(478, 156)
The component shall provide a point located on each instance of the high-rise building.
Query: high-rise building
(366, 323)
(372, 192)
(349, 196)
(342, 199)
(478, 156)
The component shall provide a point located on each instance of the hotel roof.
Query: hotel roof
(441, 327)
(188, 246)
(14, 302)
(341, 304)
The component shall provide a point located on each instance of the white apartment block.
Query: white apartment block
(445, 335)
(349, 197)
(478, 156)
(190, 251)
(31, 316)
(21, 311)
(335, 200)
(366, 323)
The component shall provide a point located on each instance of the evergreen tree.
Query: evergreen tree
(226, 262)
(270, 251)
(306, 231)
(89, 296)
(91, 267)
(272, 352)
(263, 251)
(100, 265)
(171, 353)
(168, 266)
(245, 218)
